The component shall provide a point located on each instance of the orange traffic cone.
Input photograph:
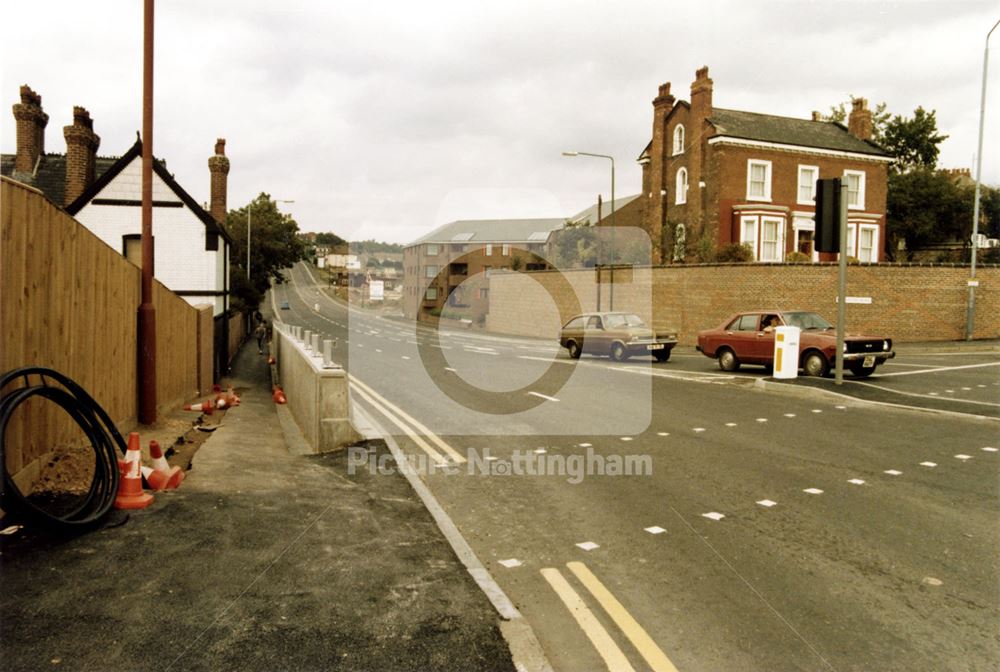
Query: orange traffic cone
(206, 407)
(271, 360)
(226, 399)
(161, 476)
(279, 395)
(130, 494)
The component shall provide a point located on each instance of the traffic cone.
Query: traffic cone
(169, 477)
(130, 494)
(279, 395)
(271, 360)
(206, 407)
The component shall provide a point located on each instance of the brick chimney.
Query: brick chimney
(663, 104)
(817, 116)
(218, 166)
(698, 132)
(81, 153)
(31, 121)
(859, 124)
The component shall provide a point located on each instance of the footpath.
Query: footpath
(262, 560)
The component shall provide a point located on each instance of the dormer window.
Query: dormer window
(678, 139)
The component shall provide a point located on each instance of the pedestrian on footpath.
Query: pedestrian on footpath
(261, 333)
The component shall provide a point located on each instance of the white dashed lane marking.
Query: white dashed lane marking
(588, 545)
(963, 457)
(510, 564)
(713, 515)
(813, 491)
(656, 529)
(767, 502)
(928, 464)
(856, 481)
(892, 472)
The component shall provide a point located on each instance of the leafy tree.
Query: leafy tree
(574, 246)
(516, 263)
(328, 238)
(925, 207)
(274, 245)
(914, 142)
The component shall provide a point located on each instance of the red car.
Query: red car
(748, 338)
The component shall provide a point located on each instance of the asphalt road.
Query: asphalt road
(761, 531)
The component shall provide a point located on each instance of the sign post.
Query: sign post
(841, 285)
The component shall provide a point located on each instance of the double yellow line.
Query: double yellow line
(613, 656)
(408, 424)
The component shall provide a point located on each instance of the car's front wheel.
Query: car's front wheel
(574, 349)
(728, 361)
(815, 364)
(618, 352)
(661, 355)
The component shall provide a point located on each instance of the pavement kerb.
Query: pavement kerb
(786, 389)
(525, 650)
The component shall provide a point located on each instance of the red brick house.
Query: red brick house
(714, 176)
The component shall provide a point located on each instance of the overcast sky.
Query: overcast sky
(387, 119)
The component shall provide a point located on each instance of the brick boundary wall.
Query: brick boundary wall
(910, 302)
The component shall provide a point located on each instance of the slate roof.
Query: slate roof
(491, 231)
(589, 215)
(50, 178)
(790, 131)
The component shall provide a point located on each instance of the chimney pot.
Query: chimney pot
(31, 122)
(859, 123)
(817, 115)
(220, 147)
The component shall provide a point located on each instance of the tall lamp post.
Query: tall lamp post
(971, 313)
(249, 217)
(611, 291)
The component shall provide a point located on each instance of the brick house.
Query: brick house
(448, 269)
(105, 194)
(714, 176)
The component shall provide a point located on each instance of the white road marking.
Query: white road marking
(817, 410)
(587, 545)
(626, 438)
(938, 369)
(856, 481)
(966, 388)
(931, 581)
(766, 502)
(378, 350)
(542, 396)
(713, 515)
(448, 368)
(697, 429)
(761, 419)
(963, 457)
(730, 424)
(789, 415)
(892, 472)
(540, 451)
(613, 657)
(434, 455)
(663, 433)
(404, 357)
(813, 491)
(989, 449)
(841, 408)
(583, 445)
(928, 464)
(510, 564)
(655, 529)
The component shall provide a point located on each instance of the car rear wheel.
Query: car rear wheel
(862, 371)
(618, 352)
(815, 365)
(661, 355)
(728, 361)
(574, 349)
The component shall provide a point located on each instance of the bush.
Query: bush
(797, 257)
(734, 252)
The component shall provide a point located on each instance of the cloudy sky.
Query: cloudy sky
(385, 119)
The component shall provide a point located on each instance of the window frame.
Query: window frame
(681, 188)
(505, 250)
(861, 229)
(488, 249)
(767, 179)
(428, 294)
(432, 250)
(678, 140)
(754, 220)
(860, 204)
(812, 186)
(428, 273)
(779, 242)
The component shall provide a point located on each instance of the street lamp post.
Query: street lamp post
(611, 290)
(971, 312)
(249, 217)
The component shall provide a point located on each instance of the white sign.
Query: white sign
(859, 299)
(353, 264)
(376, 290)
(973, 283)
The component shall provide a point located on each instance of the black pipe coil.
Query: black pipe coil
(96, 425)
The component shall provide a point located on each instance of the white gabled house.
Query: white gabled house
(191, 248)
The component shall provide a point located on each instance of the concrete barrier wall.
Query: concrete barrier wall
(908, 302)
(317, 392)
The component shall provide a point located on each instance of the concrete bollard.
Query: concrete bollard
(315, 345)
(327, 353)
(307, 338)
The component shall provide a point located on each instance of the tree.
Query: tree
(925, 207)
(328, 238)
(274, 245)
(913, 142)
(880, 117)
(575, 245)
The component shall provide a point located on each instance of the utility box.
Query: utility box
(786, 352)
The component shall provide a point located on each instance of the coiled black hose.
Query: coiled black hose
(104, 437)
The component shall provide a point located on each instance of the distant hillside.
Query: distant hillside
(373, 246)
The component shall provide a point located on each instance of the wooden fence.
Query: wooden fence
(69, 302)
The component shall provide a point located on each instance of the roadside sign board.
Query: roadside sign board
(376, 290)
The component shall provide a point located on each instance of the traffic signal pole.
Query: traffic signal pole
(841, 286)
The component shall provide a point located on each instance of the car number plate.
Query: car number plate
(655, 346)
(869, 361)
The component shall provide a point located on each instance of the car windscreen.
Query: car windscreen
(618, 320)
(806, 321)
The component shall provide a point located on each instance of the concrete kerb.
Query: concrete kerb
(525, 650)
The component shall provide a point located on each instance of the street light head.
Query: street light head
(571, 153)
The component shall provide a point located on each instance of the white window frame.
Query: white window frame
(678, 146)
(431, 250)
(489, 249)
(767, 179)
(852, 240)
(862, 228)
(753, 221)
(860, 203)
(804, 224)
(681, 187)
(505, 250)
(431, 294)
(813, 171)
(779, 242)
(431, 271)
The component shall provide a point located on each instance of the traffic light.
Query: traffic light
(827, 238)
